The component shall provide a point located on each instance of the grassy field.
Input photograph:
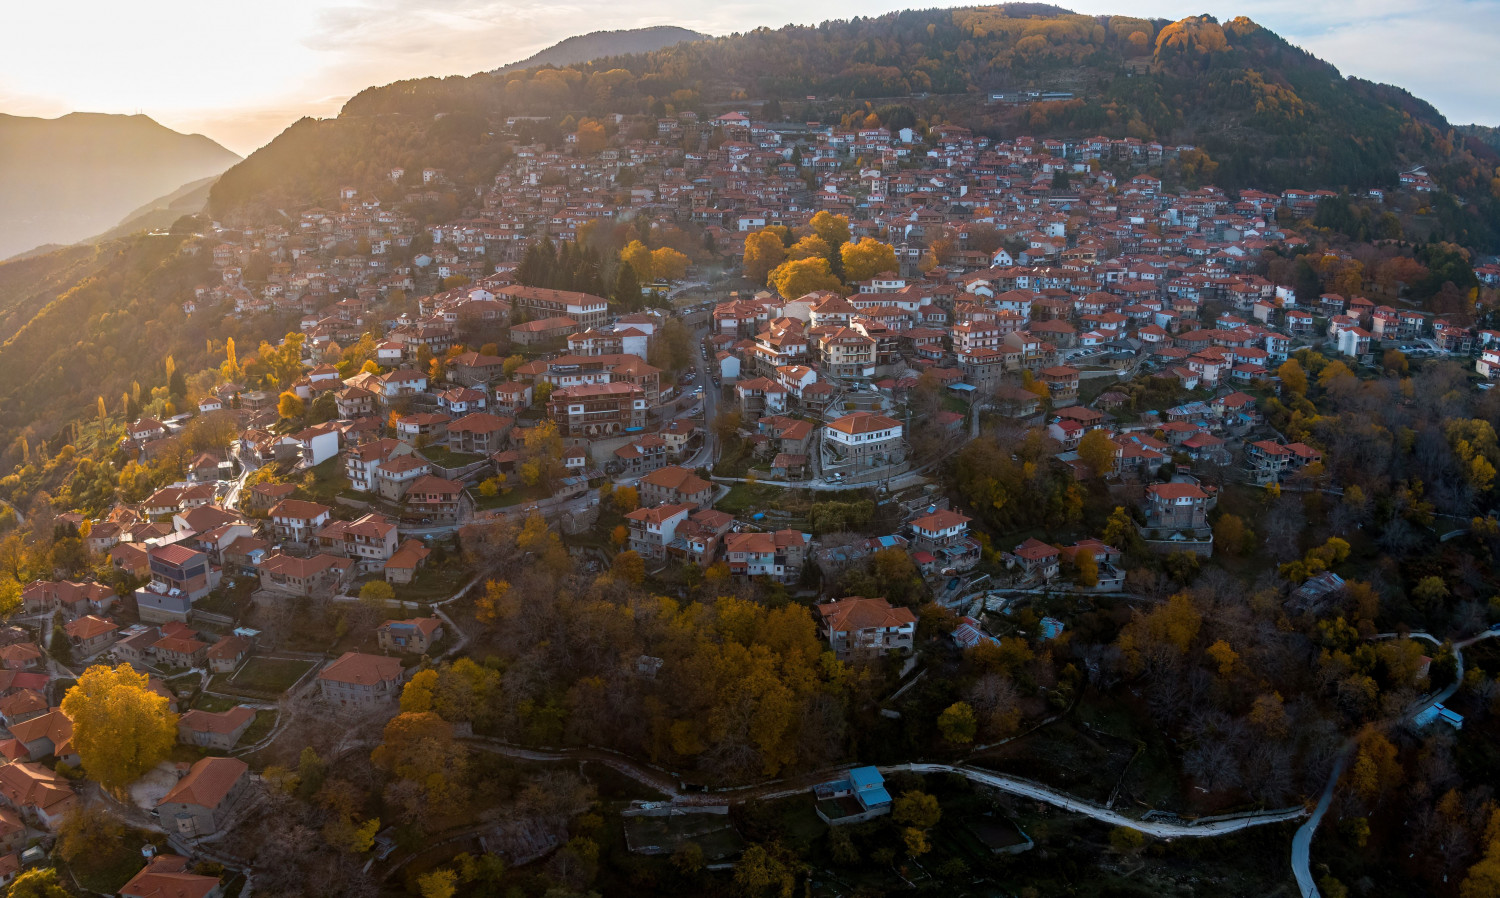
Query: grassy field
(108, 867)
(264, 676)
(432, 583)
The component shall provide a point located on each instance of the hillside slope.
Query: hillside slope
(65, 179)
(160, 213)
(1272, 115)
(599, 44)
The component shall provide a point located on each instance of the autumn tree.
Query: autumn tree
(38, 882)
(638, 257)
(121, 729)
(1097, 451)
(957, 723)
(810, 247)
(796, 279)
(439, 883)
(834, 229)
(865, 259)
(764, 251)
(419, 747)
(668, 263)
(1293, 377)
(628, 567)
(1086, 569)
(290, 405)
(377, 594)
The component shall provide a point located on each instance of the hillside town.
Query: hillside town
(434, 401)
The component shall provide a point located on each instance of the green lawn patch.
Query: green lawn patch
(258, 729)
(444, 457)
(328, 481)
(107, 867)
(265, 676)
(230, 601)
(214, 703)
(743, 497)
(432, 583)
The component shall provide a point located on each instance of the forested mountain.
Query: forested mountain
(1488, 134)
(1272, 115)
(599, 44)
(66, 179)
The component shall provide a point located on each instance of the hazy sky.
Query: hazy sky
(241, 72)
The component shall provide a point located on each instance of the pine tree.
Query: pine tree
(627, 287)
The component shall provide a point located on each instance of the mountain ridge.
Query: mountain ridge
(599, 44)
(68, 178)
(1271, 115)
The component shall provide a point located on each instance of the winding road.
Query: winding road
(664, 782)
(1302, 841)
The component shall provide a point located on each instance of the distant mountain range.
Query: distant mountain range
(68, 179)
(601, 44)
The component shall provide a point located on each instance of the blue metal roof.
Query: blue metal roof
(874, 798)
(865, 778)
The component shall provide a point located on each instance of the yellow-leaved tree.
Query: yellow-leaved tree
(763, 252)
(834, 229)
(799, 278)
(121, 729)
(867, 258)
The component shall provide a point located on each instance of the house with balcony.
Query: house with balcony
(856, 626)
(653, 529)
(298, 521)
(760, 396)
(943, 535)
(1033, 561)
(780, 555)
(1181, 506)
(369, 539)
(422, 428)
(437, 501)
(479, 432)
(1062, 383)
(675, 485)
(866, 439)
(598, 410)
(320, 575)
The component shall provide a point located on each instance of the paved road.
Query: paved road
(667, 783)
(1302, 841)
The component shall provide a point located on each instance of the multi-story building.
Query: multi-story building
(597, 410)
(866, 438)
(855, 626)
(675, 485)
(435, 500)
(296, 520)
(361, 680)
(199, 804)
(653, 529)
(779, 555)
(538, 302)
(846, 353)
(479, 432)
(370, 539)
(1178, 506)
(320, 575)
